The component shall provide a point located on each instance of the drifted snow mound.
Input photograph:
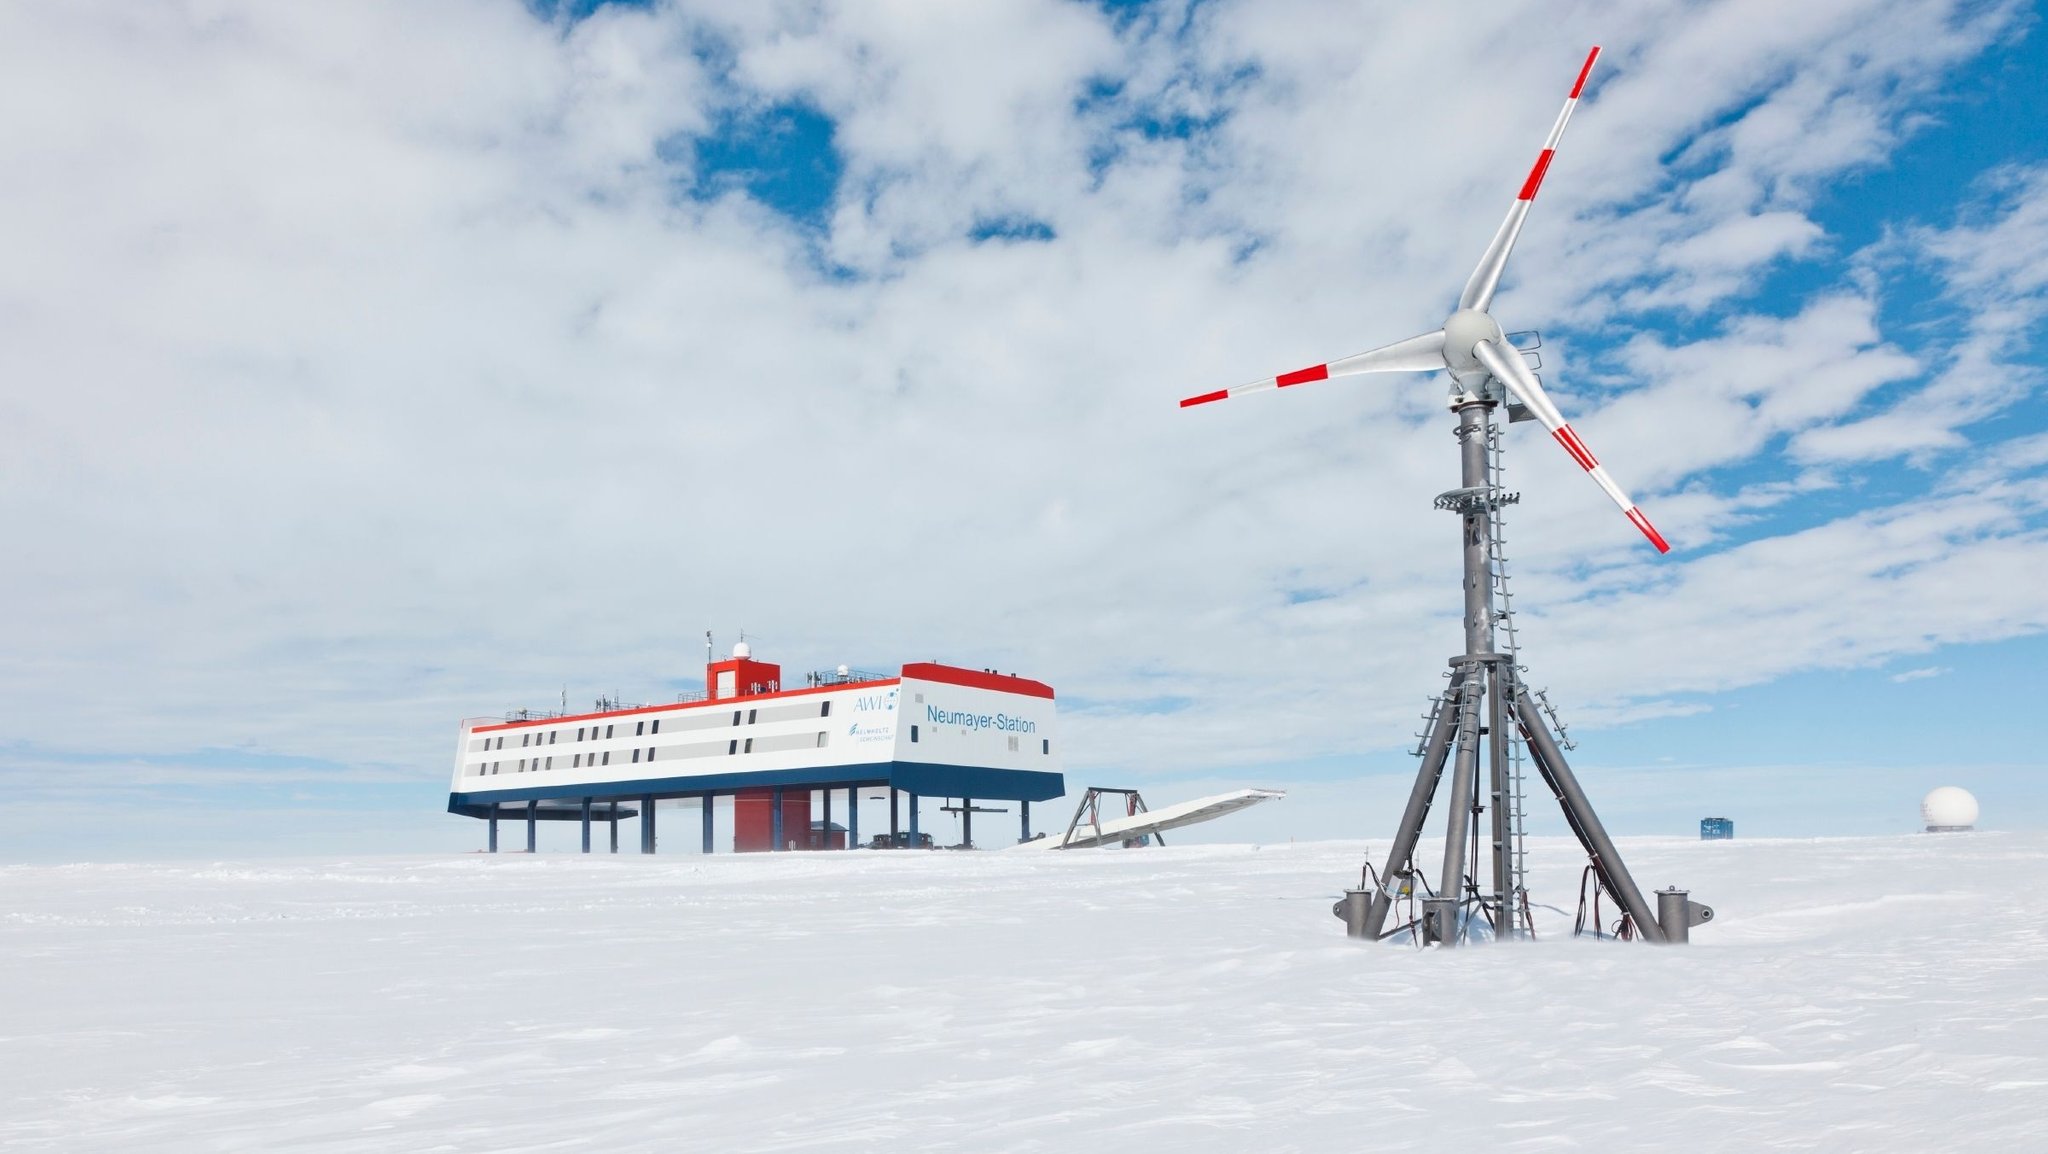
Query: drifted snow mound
(1948, 808)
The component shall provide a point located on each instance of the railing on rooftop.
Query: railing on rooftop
(844, 676)
(813, 680)
(601, 705)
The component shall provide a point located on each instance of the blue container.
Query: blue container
(1716, 829)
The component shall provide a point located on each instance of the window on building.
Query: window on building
(735, 717)
(750, 745)
(1013, 745)
(636, 757)
(656, 727)
(608, 732)
(1045, 746)
(607, 760)
(750, 715)
(913, 733)
(551, 763)
(650, 753)
(553, 734)
(822, 736)
(576, 762)
(733, 746)
(640, 730)
(579, 733)
(522, 739)
(825, 710)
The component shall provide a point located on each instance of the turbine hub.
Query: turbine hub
(1462, 330)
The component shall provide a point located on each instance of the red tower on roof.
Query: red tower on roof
(740, 675)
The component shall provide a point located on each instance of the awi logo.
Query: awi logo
(875, 702)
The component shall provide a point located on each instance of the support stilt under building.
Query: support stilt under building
(709, 799)
(852, 817)
(913, 821)
(615, 826)
(647, 823)
(586, 825)
(532, 824)
(1025, 821)
(775, 831)
(494, 829)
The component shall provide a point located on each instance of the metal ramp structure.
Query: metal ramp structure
(1139, 824)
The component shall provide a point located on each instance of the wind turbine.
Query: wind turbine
(1486, 694)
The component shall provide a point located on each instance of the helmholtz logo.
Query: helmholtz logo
(862, 733)
(967, 720)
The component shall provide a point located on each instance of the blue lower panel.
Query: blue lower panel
(916, 777)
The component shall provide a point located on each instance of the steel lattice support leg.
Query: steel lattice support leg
(1464, 776)
(1578, 813)
(1400, 859)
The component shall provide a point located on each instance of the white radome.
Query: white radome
(741, 651)
(1948, 809)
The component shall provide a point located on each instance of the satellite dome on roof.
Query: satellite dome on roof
(1949, 809)
(741, 649)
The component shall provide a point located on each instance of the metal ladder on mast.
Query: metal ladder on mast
(1513, 917)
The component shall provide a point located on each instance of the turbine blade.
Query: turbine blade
(1423, 354)
(1479, 290)
(1508, 368)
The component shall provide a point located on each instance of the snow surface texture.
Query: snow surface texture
(1852, 994)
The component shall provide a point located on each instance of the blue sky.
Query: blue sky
(384, 365)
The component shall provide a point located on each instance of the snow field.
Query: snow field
(1851, 994)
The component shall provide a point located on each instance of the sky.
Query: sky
(370, 366)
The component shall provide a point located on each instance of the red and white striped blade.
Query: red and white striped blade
(1479, 290)
(1420, 354)
(1507, 367)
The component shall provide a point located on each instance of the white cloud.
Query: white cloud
(367, 369)
(1990, 271)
